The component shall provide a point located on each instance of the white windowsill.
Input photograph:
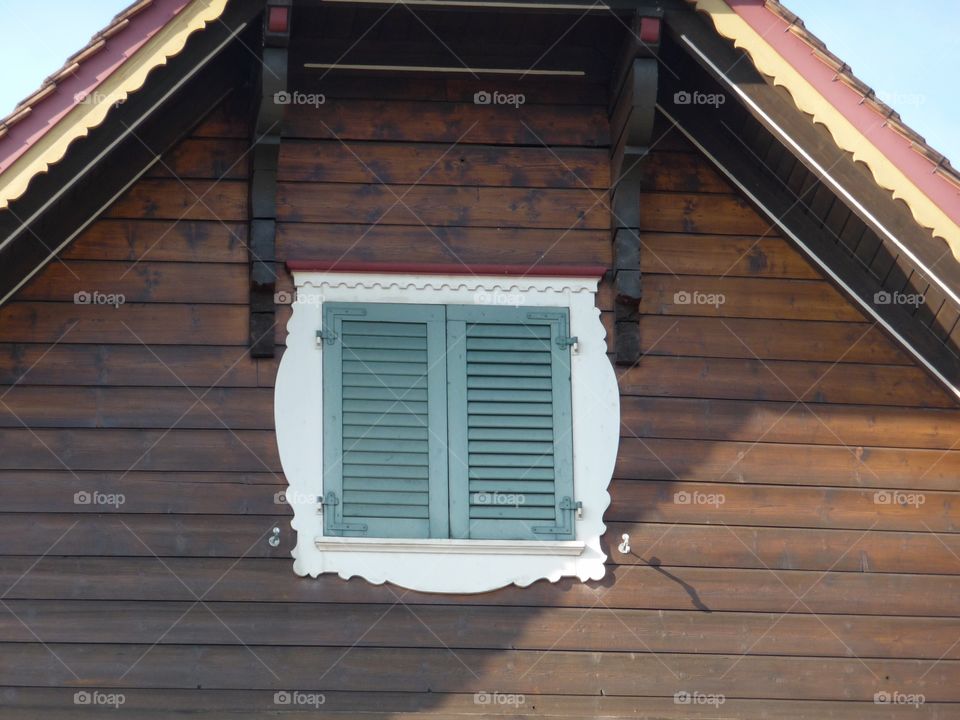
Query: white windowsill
(572, 548)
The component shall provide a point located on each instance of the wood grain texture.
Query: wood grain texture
(439, 164)
(652, 587)
(768, 339)
(504, 628)
(160, 240)
(460, 123)
(430, 670)
(845, 425)
(561, 209)
(782, 463)
(799, 596)
(58, 704)
(728, 255)
(756, 379)
(443, 245)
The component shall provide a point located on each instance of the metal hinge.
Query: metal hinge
(329, 335)
(333, 519)
(567, 507)
(568, 342)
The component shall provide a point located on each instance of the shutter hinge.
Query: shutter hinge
(568, 342)
(333, 519)
(567, 507)
(329, 335)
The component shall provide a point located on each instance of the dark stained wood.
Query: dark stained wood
(127, 407)
(783, 339)
(205, 158)
(460, 123)
(780, 463)
(58, 704)
(121, 532)
(513, 246)
(416, 204)
(129, 324)
(790, 422)
(681, 172)
(430, 670)
(700, 213)
(110, 533)
(138, 282)
(130, 365)
(225, 121)
(727, 255)
(744, 297)
(439, 164)
(783, 506)
(779, 548)
(160, 240)
(639, 587)
(123, 449)
(215, 497)
(175, 199)
(450, 88)
(523, 628)
(754, 379)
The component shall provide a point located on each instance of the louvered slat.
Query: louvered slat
(509, 422)
(385, 458)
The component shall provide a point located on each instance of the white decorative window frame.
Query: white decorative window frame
(446, 565)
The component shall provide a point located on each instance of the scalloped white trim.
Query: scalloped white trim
(845, 134)
(436, 565)
(392, 281)
(128, 78)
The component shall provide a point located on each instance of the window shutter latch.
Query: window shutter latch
(329, 335)
(568, 342)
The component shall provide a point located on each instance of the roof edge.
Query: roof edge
(845, 134)
(128, 78)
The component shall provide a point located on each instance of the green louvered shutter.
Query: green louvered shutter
(511, 457)
(384, 406)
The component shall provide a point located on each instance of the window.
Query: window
(447, 433)
(447, 422)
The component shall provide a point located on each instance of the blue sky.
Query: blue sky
(908, 52)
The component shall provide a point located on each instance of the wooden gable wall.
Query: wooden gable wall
(176, 599)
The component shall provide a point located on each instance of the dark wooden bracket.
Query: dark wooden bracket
(265, 155)
(634, 92)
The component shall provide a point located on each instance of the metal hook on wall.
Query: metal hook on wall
(624, 547)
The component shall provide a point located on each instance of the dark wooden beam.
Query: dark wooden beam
(270, 101)
(632, 111)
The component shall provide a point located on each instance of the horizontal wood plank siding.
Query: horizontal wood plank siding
(786, 473)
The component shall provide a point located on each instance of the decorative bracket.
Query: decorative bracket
(263, 176)
(634, 93)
